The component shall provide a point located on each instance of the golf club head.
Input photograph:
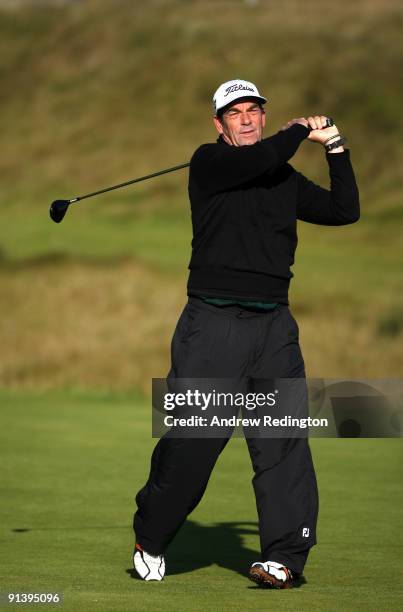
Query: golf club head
(58, 209)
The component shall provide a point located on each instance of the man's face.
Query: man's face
(242, 123)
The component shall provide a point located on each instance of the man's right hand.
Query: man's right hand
(301, 121)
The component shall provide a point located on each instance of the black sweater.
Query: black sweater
(245, 204)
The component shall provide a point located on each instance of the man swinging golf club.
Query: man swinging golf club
(245, 200)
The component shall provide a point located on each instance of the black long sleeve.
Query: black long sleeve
(338, 206)
(218, 168)
(245, 205)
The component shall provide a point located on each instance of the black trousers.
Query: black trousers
(233, 342)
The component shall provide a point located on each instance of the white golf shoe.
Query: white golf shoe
(271, 574)
(148, 566)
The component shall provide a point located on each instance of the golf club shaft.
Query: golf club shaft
(59, 208)
(137, 180)
(144, 178)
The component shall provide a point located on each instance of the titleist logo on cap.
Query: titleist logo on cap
(230, 91)
(237, 87)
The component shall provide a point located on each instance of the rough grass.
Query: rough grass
(87, 324)
(96, 92)
(72, 463)
(108, 323)
(93, 93)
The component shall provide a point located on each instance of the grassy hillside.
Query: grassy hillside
(94, 93)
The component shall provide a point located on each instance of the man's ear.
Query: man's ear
(218, 124)
(263, 117)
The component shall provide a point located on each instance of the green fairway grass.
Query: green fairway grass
(72, 463)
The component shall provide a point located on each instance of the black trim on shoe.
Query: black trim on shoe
(140, 550)
(264, 579)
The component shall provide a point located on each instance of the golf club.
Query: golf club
(58, 208)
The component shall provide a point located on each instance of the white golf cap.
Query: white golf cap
(233, 90)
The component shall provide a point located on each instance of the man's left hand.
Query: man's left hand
(319, 132)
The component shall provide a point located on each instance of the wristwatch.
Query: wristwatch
(335, 144)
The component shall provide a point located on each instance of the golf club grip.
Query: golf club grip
(329, 123)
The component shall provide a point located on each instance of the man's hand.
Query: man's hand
(317, 124)
(319, 132)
